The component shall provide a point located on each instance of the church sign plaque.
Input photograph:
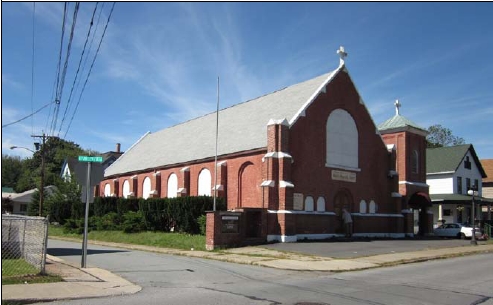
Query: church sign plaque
(230, 224)
(298, 201)
(343, 176)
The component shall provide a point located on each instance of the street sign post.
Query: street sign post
(89, 160)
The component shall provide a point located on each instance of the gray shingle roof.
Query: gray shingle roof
(242, 127)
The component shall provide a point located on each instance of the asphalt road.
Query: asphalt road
(167, 279)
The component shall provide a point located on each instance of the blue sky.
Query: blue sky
(159, 62)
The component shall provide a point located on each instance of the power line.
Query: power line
(90, 69)
(65, 66)
(27, 116)
(78, 67)
(32, 71)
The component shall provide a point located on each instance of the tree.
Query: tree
(439, 136)
(11, 170)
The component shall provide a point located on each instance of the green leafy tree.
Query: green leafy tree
(439, 136)
(11, 170)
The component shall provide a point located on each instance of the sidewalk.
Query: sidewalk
(94, 282)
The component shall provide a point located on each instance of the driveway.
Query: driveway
(359, 248)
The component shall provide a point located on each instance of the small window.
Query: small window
(415, 162)
(459, 185)
(23, 208)
(362, 207)
(468, 183)
(107, 190)
(476, 184)
(321, 204)
(146, 188)
(309, 203)
(447, 212)
(467, 163)
(373, 207)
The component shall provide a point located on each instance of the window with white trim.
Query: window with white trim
(309, 203)
(373, 207)
(341, 140)
(146, 188)
(107, 190)
(205, 185)
(172, 186)
(126, 189)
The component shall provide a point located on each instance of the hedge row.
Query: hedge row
(179, 214)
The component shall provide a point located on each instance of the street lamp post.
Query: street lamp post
(41, 189)
(473, 191)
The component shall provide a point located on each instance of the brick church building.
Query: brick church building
(290, 161)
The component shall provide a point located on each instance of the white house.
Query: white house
(450, 173)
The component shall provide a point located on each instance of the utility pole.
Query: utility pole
(42, 183)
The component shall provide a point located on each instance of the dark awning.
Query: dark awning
(458, 199)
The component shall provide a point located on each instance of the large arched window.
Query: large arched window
(146, 188)
(172, 186)
(126, 189)
(107, 190)
(205, 186)
(342, 140)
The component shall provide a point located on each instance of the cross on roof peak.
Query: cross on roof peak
(342, 54)
(397, 106)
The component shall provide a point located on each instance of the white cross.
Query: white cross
(397, 106)
(342, 54)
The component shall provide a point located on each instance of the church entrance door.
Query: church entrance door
(342, 200)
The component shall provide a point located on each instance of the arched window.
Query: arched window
(342, 140)
(415, 162)
(172, 186)
(362, 207)
(146, 188)
(205, 185)
(309, 203)
(373, 207)
(107, 190)
(321, 204)
(126, 189)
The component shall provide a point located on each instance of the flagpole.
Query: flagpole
(215, 158)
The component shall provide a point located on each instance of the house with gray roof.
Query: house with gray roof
(290, 161)
(450, 172)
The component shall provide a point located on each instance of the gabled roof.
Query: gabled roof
(242, 127)
(399, 122)
(448, 159)
(488, 168)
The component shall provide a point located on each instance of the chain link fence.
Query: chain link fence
(24, 244)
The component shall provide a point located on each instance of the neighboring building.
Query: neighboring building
(21, 201)
(72, 166)
(488, 187)
(450, 172)
(291, 161)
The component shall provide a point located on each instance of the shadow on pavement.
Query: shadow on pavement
(74, 251)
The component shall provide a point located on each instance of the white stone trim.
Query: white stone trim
(377, 215)
(113, 195)
(300, 212)
(134, 177)
(269, 183)
(182, 190)
(115, 180)
(390, 147)
(392, 173)
(278, 122)
(283, 183)
(407, 211)
(222, 163)
(354, 169)
(441, 173)
(414, 183)
(153, 192)
(282, 238)
(218, 187)
(396, 195)
(275, 154)
(185, 169)
(158, 173)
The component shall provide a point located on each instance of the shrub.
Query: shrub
(110, 222)
(133, 222)
(75, 226)
(202, 220)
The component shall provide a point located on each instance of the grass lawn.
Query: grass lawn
(155, 239)
(18, 271)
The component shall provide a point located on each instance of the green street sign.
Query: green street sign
(90, 159)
